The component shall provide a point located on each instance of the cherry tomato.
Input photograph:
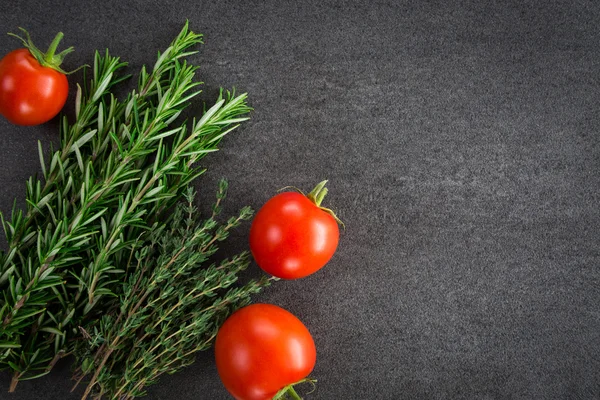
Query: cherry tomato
(292, 236)
(33, 88)
(262, 349)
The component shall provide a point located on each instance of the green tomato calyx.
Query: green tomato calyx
(317, 195)
(50, 59)
(288, 392)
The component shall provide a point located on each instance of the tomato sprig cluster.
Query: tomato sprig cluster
(262, 351)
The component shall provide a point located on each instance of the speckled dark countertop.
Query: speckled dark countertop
(461, 141)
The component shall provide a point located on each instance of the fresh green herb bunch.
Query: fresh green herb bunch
(170, 307)
(120, 167)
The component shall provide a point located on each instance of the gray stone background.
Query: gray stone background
(461, 143)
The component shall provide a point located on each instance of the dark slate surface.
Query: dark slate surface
(461, 142)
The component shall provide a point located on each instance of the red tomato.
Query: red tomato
(32, 90)
(292, 236)
(261, 349)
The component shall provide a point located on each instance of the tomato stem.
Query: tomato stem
(317, 195)
(49, 56)
(293, 394)
(49, 59)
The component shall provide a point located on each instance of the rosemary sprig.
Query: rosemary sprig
(120, 166)
(28, 282)
(170, 308)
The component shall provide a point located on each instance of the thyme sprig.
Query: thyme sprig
(170, 308)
